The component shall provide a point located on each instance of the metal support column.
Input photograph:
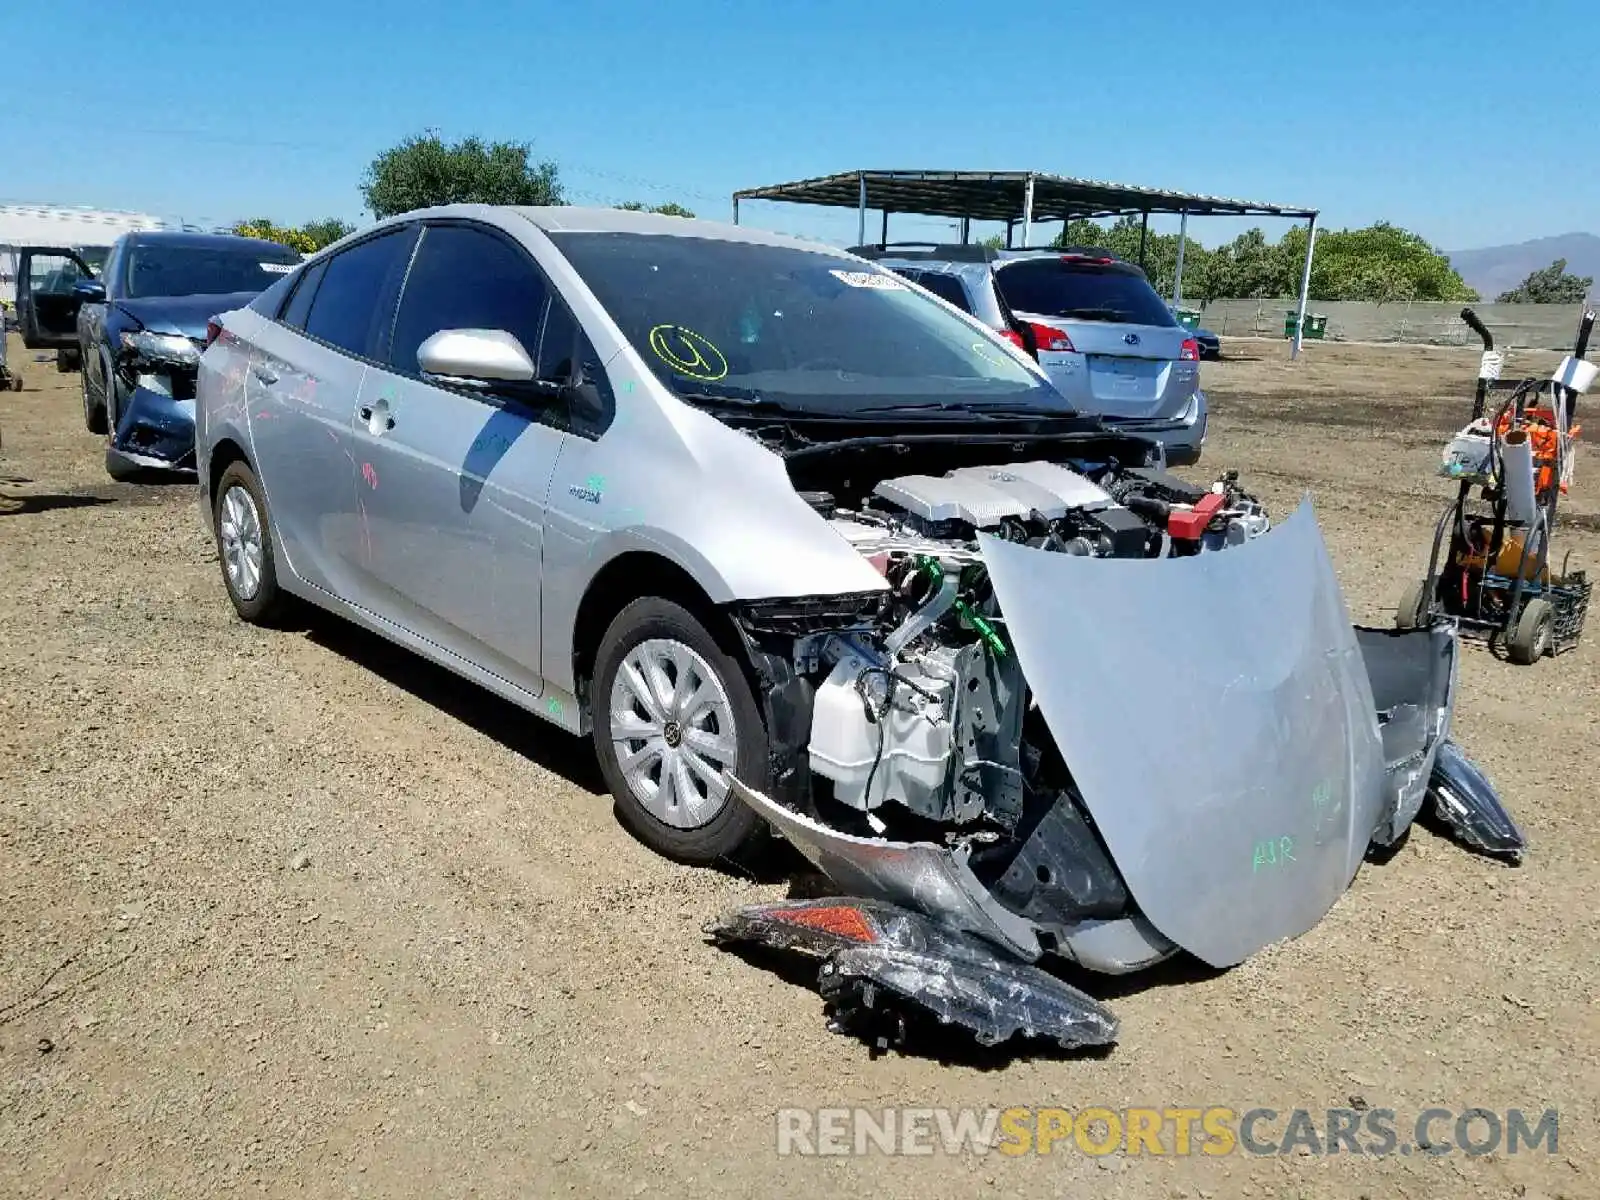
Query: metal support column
(736, 210)
(1027, 212)
(966, 230)
(861, 213)
(1010, 228)
(1183, 237)
(1305, 288)
(883, 239)
(1144, 234)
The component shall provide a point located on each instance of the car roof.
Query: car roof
(572, 218)
(169, 237)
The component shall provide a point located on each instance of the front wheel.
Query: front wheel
(94, 413)
(673, 711)
(1412, 611)
(1530, 639)
(244, 544)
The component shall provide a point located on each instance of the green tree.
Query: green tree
(666, 210)
(1382, 263)
(309, 238)
(1550, 286)
(424, 171)
(326, 231)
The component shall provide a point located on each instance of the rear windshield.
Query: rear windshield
(1050, 287)
(155, 269)
(797, 329)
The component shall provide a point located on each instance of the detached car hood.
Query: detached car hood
(184, 315)
(1218, 720)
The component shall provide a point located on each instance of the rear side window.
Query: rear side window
(348, 310)
(294, 314)
(466, 278)
(1050, 287)
(946, 287)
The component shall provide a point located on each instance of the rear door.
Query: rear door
(47, 306)
(303, 387)
(1126, 358)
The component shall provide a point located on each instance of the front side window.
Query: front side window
(176, 269)
(349, 304)
(803, 330)
(466, 278)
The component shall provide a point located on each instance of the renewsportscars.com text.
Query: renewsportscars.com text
(1211, 1131)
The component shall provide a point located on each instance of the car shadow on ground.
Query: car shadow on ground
(16, 506)
(540, 742)
(519, 731)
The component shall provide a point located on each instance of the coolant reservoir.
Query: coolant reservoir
(916, 735)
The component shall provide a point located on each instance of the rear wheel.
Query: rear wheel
(1530, 639)
(244, 545)
(673, 711)
(1412, 610)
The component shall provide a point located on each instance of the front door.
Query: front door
(454, 479)
(47, 304)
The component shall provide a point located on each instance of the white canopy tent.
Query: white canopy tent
(64, 226)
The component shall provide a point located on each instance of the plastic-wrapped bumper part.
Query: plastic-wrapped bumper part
(882, 964)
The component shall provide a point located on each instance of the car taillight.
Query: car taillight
(1048, 337)
(1190, 351)
(1012, 336)
(213, 332)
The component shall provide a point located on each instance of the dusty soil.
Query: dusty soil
(293, 914)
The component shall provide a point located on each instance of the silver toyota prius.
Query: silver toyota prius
(805, 547)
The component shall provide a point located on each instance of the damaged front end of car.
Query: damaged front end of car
(154, 376)
(1099, 715)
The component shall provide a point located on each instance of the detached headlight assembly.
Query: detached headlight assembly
(162, 347)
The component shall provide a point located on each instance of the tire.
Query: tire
(695, 829)
(264, 603)
(1412, 609)
(108, 397)
(94, 415)
(68, 361)
(1530, 640)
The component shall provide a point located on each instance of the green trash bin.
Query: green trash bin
(1316, 324)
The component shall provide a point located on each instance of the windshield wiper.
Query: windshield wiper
(740, 398)
(969, 409)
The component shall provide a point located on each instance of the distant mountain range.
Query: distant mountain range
(1496, 269)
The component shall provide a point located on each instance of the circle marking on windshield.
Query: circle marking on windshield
(688, 353)
(985, 353)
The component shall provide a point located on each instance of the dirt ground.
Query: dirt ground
(293, 914)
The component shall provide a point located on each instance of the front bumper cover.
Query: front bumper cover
(154, 428)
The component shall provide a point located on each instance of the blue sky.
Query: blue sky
(1406, 110)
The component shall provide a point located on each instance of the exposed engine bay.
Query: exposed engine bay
(921, 751)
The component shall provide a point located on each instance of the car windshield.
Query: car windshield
(155, 269)
(1056, 287)
(792, 329)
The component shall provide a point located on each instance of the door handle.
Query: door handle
(265, 376)
(366, 411)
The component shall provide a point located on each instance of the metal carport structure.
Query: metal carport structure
(1024, 198)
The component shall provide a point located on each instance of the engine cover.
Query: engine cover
(981, 496)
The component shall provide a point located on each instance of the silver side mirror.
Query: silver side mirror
(474, 358)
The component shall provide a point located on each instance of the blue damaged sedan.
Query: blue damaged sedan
(141, 327)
